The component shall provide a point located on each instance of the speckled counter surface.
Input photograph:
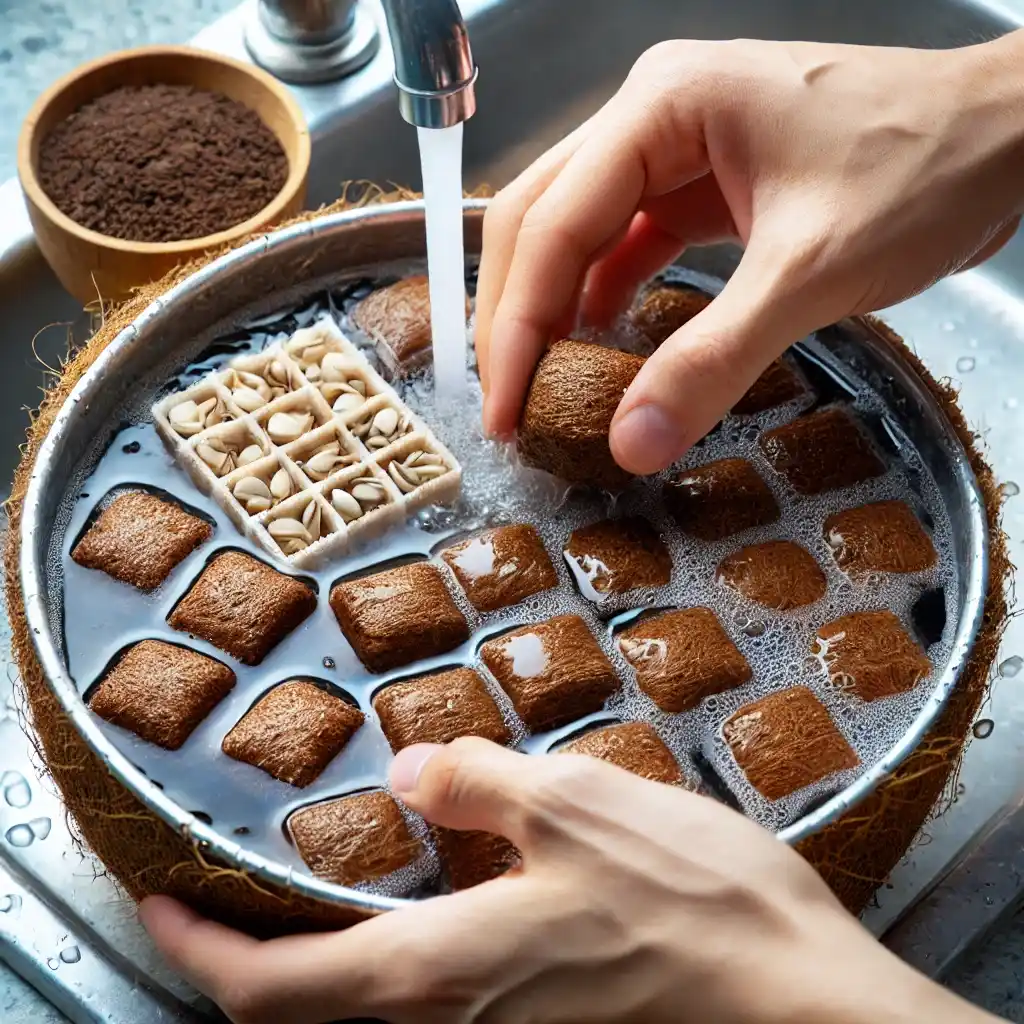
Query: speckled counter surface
(40, 42)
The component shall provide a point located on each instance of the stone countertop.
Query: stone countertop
(39, 42)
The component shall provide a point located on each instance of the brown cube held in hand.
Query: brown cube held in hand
(634, 746)
(398, 616)
(871, 655)
(501, 567)
(294, 732)
(469, 858)
(683, 656)
(243, 606)
(439, 708)
(353, 839)
(787, 741)
(554, 671)
(884, 536)
(716, 500)
(778, 574)
(161, 692)
(139, 539)
(573, 396)
(777, 385)
(615, 556)
(666, 308)
(823, 451)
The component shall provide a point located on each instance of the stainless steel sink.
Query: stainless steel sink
(544, 66)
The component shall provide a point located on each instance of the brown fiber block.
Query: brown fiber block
(823, 451)
(884, 536)
(139, 539)
(778, 574)
(554, 671)
(718, 499)
(777, 385)
(398, 616)
(243, 606)
(573, 396)
(161, 692)
(664, 309)
(683, 656)
(634, 746)
(353, 839)
(870, 654)
(501, 567)
(787, 741)
(615, 556)
(294, 732)
(469, 858)
(439, 708)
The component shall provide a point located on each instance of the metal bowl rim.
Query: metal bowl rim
(206, 837)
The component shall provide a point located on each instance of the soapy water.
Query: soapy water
(104, 617)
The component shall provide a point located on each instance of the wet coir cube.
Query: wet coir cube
(353, 839)
(575, 391)
(884, 536)
(294, 732)
(243, 606)
(502, 567)
(664, 309)
(778, 574)
(787, 741)
(683, 656)
(139, 539)
(871, 655)
(634, 746)
(778, 384)
(398, 616)
(823, 451)
(439, 708)
(161, 692)
(554, 671)
(615, 556)
(718, 499)
(469, 858)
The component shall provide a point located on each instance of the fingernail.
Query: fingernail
(408, 764)
(646, 440)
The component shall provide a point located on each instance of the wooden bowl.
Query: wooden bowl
(93, 266)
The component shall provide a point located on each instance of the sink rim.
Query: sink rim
(35, 534)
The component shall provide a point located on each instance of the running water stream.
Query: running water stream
(441, 162)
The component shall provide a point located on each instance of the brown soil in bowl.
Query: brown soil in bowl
(147, 856)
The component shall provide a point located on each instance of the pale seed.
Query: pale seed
(348, 401)
(386, 422)
(431, 471)
(251, 487)
(311, 519)
(281, 485)
(405, 479)
(345, 505)
(285, 427)
(251, 453)
(254, 506)
(322, 465)
(185, 418)
(313, 373)
(369, 494)
(332, 367)
(220, 462)
(248, 399)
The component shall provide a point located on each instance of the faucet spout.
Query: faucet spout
(434, 68)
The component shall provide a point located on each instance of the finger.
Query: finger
(696, 214)
(588, 207)
(305, 979)
(501, 225)
(699, 373)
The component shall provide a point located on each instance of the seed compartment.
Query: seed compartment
(324, 452)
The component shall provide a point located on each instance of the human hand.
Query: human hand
(636, 902)
(854, 176)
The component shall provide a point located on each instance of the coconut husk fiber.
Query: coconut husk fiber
(146, 856)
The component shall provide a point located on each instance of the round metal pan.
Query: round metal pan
(247, 282)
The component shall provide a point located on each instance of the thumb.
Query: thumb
(703, 369)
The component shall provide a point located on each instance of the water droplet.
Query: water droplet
(949, 326)
(983, 728)
(329, 662)
(71, 955)
(131, 448)
(1009, 668)
(754, 628)
(53, 963)
(241, 831)
(20, 836)
(16, 789)
(10, 904)
(40, 827)
(1011, 403)
(1009, 489)
(972, 342)
(965, 364)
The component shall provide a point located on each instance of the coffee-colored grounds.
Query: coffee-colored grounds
(161, 163)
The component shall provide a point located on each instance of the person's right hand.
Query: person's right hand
(854, 176)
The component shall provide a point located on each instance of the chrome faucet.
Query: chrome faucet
(434, 68)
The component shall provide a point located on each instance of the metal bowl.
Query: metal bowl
(247, 283)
